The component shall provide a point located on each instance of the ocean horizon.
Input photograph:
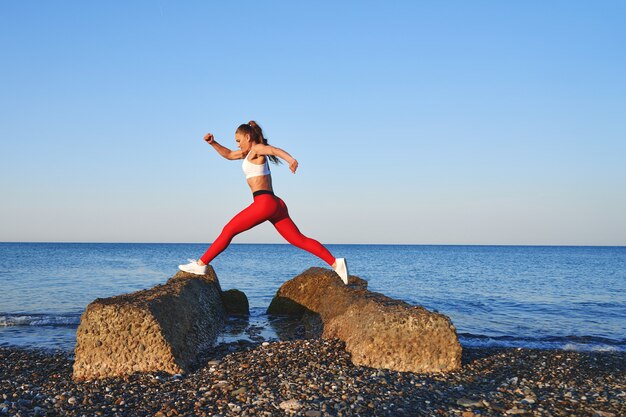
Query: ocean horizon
(540, 296)
(325, 243)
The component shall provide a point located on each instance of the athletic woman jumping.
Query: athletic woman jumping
(255, 152)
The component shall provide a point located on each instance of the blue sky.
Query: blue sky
(458, 122)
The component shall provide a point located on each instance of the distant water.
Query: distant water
(516, 296)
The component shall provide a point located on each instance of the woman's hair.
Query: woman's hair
(256, 135)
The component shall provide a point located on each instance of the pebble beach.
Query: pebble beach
(316, 378)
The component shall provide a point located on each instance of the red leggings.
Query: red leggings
(266, 207)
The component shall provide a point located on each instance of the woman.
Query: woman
(255, 152)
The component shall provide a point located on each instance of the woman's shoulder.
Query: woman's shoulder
(257, 150)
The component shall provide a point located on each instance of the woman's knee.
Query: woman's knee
(229, 231)
(296, 238)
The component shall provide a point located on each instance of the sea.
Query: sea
(547, 297)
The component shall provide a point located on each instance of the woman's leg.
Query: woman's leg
(256, 213)
(288, 229)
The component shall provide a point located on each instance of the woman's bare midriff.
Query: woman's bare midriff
(262, 182)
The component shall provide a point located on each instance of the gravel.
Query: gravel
(315, 378)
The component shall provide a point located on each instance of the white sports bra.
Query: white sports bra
(254, 170)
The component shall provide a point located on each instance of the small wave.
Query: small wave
(38, 320)
(599, 348)
(576, 343)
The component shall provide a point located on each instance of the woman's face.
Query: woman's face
(243, 142)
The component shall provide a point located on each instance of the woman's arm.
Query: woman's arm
(261, 149)
(222, 150)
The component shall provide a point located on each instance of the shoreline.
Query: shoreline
(316, 378)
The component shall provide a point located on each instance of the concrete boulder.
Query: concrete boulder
(379, 331)
(159, 329)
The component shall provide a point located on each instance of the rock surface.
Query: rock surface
(235, 303)
(162, 328)
(378, 331)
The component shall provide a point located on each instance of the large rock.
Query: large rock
(160, 329)
(235, 303)
(378, 331)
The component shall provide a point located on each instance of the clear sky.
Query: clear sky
(441, 122)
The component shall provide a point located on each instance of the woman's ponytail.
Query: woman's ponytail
(256, 136)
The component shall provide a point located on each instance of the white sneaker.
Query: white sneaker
(193, 268)
(341, 268)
